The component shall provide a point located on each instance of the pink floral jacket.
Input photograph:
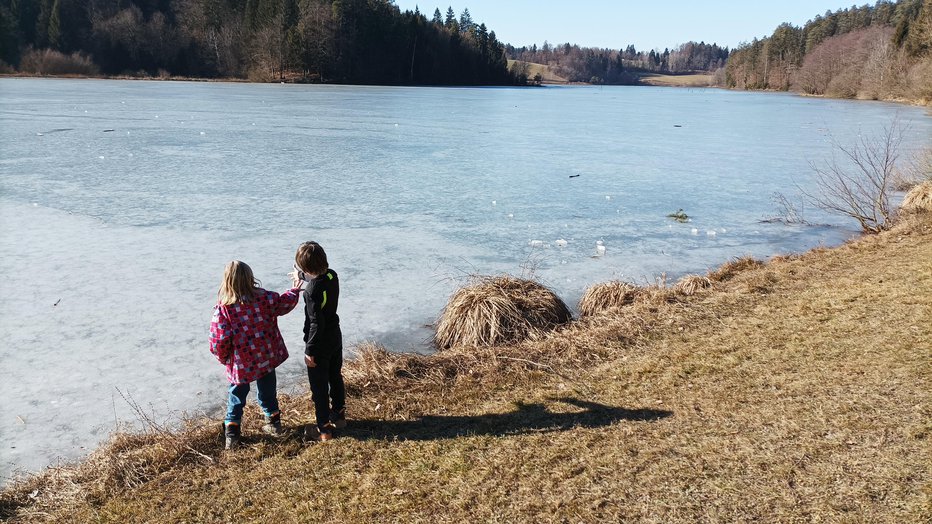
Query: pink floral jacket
(245, 337)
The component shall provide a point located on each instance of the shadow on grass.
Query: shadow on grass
(528, 418)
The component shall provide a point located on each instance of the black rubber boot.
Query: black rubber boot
(273, 425)
(232, 434)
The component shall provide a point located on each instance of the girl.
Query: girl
(244, 337)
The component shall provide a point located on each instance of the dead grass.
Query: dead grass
(499, 310)
(603, 297)
(692, 284)
(731, 269)
(677, 80)
(547, 74)
(794, 392)
(919, 199)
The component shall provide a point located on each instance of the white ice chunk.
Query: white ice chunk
(560, 243)
(537, 243)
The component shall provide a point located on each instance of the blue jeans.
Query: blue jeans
(265, 392)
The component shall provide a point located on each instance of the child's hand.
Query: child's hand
(295, 281)
(310, 361)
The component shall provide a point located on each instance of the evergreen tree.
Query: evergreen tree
(42, 23)
(251, 14)
(919, 38)
(466, 24)
(450, 22)
(9, 42)
(55, 26)
(438, 18)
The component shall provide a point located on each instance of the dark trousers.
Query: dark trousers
(327, 389)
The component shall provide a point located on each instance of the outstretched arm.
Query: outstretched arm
(285, 302)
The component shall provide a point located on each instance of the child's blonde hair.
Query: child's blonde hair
(238, 284)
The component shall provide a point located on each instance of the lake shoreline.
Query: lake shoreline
(233, 80)
(711, 367)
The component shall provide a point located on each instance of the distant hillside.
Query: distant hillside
(694, 80)
(621, 66)
(347, 41)
(535, 73)
(881, 51)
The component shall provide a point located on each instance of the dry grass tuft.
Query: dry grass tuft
(729, 270)
(604, 297)
(373, 364)
(919, 199)
(692, 284)
(499, 310)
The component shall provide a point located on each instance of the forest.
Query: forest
(341, 41)
(622, 66)
(881, 51)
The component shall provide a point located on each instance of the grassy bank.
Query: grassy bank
(676, 80)
(798, 390)
(546, 74)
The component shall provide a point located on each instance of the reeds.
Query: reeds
(729, 270)
(919, 199)
(606, 296)
(499, 310)
(692, 284)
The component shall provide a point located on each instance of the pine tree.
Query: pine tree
(438, 18)
(466, 23)
(451, 22)
(55, 26)
(919, 38)
(251, 14)
(42, 23)
(8, 38)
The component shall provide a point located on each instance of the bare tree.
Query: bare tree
(858, 180)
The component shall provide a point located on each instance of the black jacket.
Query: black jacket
(322, 336)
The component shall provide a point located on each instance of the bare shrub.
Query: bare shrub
(52, 62)
(788, 212)
(917, 169)
(858, 184)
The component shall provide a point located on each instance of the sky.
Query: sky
(647, 24)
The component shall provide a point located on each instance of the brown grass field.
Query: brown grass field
(677, 80)
(549, 77)
(792, 391)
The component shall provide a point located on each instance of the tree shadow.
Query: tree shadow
(528, 418)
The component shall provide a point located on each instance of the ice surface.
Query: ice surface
(113, 243)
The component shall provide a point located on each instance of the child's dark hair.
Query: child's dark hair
(311, 258)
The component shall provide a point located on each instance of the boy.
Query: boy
(323, 353)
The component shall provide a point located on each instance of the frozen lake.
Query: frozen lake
(120, 203)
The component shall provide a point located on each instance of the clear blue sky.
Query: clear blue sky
(647, 24)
